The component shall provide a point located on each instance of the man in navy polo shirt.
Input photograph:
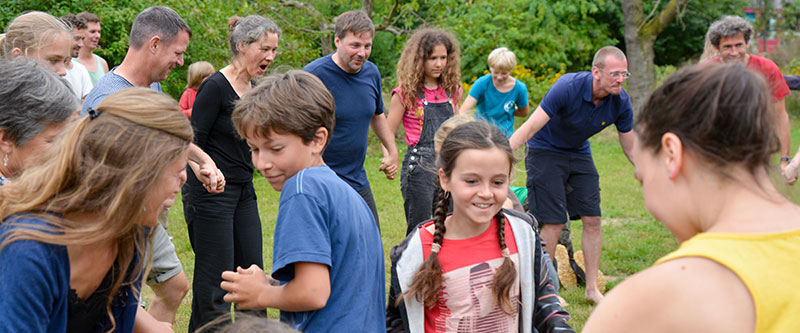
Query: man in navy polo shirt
(355, 84)
(562, 180)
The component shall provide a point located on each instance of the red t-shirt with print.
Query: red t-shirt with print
(466, 302)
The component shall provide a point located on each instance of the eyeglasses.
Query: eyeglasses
(615, 75)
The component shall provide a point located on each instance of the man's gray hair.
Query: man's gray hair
(248, 30)
(157, 21)
(729, 26)
(599, 60)
(32, 98)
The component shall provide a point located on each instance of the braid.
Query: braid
(428, 279)
(506, 275)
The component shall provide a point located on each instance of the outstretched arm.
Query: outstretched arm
(783, 130)
(145, 322)
(529, 128)
(390, 159)
(252, 289)
(469, 103)
(396, 111)
(626, 141)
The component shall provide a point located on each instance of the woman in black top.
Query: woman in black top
(224, 228)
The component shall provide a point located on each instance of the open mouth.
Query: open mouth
(263, 68)
(482, 206)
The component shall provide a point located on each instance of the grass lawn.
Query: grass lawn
(632, 239)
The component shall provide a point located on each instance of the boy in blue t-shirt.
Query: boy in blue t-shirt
(498, 95)
(328, 256)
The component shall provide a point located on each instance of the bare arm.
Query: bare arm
(252, 289)
(145, 322)
(396, 111)
(105, 65)
(626, 141)
(206, 170)
(783, 130)
(522, 112)
(469, 103)
(390, 159)
(529, 128)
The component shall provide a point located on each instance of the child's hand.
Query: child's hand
(790, 172)
(246, 287)
(389, 165)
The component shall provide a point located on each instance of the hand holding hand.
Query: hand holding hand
(790, 172)
(389, 165)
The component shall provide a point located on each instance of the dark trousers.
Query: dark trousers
(418, 184)
(366, 194)
(225, 232)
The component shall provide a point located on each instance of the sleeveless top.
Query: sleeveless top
(766, 264)
(98, 72)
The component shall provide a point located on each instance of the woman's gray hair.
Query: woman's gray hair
(729, 26)
(249, 29)
(32, 98)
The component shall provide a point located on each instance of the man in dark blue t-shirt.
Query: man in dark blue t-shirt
(355, 84)
(562, 180)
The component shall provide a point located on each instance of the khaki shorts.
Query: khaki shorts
(165, 261)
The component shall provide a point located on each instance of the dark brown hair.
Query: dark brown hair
(411, 67)
(354, 21)
(428, 278)
(89, 17)
(723, 113)
(76, 22)
(295, 102)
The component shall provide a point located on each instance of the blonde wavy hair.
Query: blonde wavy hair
(411, 67)
(105, 165)
(31, 31)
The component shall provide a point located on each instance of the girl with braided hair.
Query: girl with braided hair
(481, 268)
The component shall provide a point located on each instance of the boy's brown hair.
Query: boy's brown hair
(295, 102)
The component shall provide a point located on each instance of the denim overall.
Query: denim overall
(418, 176)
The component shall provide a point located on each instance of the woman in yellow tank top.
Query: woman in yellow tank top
(704, 140)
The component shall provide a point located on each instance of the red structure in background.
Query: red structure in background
(770, 43)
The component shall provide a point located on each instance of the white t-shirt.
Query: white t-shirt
(79, 80)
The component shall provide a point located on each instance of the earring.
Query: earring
(447, 195)
(5, 161)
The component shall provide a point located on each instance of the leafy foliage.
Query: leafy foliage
(544, 34)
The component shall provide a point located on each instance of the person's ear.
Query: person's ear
(240, 46)
(336, 41)
(672, 149)
(6, 144)
(444, 181)
(596, 72)
(154, 43)
(16, 52)
(319, 140)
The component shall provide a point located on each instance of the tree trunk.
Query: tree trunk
(639, 39)
(366, 6)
